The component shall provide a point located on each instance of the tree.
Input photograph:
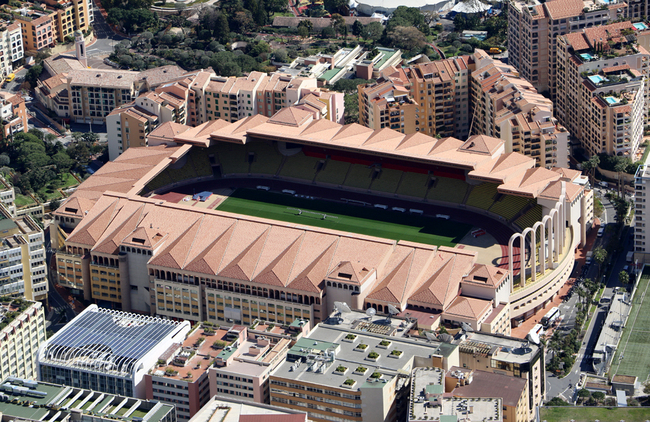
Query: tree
(619, 168)
(222, 29)
(373, 31)
(623, 277)
(62, 161)
(90, 137)
(77, 136)
(4, 160)
(584, 393)
(337, 6)
(338, 23)
(600, 256)
(306, 24)
(328, 32)
(303, 32)
(598, 395)
(556, 401)
(280, 55)
(32, 75)
(590, 167)
(408, 16)
(357, 29)
(646, 389)
(407, 38)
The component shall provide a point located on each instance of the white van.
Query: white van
(601, 231)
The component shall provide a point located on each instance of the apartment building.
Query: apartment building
(533, 28)
(430, 98)
(128, 126)
(353, 370)
(243, 410)
(38, 28)
(71, 16)
(180, 376)
(477, 387)
(11, 47)
(508, 107)
(241, 370)
(641, 212)
(13, 114)
(23, 270)
(428, 398)
(507, 356)
(22, 333)
(108, 351)
(60, 403)
(603, 76)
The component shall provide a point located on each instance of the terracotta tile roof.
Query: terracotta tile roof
(560, 9)
(616, 68)
(167, 131)
(291, 116)
(554, 190)
(118, 176)
(486, 275)
(577, 41)
(529, 183)
(468, 307)
(567, 174)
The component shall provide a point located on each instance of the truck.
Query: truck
(494, 50)
(629, 257)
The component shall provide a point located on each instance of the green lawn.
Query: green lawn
(349, 218)
(590, 414)
(23, 200)
(636, 336)
(68, 180)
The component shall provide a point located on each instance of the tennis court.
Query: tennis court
(635, 340)
(349, 218)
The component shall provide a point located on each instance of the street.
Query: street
(566, 388)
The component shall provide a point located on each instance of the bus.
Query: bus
(551, 316)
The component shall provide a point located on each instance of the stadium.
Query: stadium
(309, 212)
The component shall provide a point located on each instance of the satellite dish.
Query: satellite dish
(371, 312)
(468, 328)
(430, 336)
(392, 310)
(342, 307)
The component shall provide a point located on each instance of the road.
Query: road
(566, 387)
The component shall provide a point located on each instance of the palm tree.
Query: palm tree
(590, 167)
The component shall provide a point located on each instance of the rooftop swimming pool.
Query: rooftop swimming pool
(640, 26)
(586, 56)
(597, 79)
(612, 100)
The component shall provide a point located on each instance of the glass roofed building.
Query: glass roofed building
(108, 351)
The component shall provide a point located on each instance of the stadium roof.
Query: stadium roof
(105, 340)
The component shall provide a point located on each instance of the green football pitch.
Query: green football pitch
(348, 218)
(636, 335)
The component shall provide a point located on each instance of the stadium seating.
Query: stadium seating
(482, 196)
(359, 176)
(448, 190)
(509, 206)
(267, 158)
(531, 217)
(413, 184)
(333, 173)
(387, 181)
(233, 159)
(300, 166)
(200, 161)
(159, 181)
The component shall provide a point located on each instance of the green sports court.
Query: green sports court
(349, 218)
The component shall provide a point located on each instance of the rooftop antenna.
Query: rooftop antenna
(391, 311)
(371, 312)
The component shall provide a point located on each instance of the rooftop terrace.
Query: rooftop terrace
(39, 401)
